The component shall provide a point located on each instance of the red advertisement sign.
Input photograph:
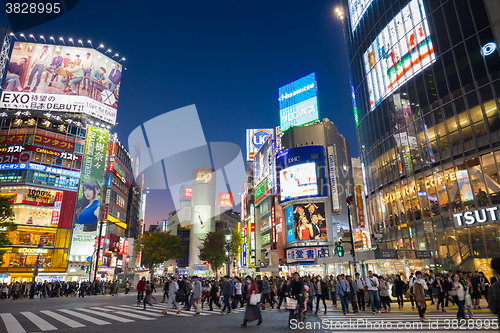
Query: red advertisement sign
(359, 200)
(11, 158)
(52, 142)
(122, 245)
(273, 226)
(125, 247)
(111, 164)
(106, 212)
(55, 218)
(58, 200)
(101, 252)
(11, 139)
(188, 192)
(225, 199)
(36, 203)
(56, 153)
(113, 149)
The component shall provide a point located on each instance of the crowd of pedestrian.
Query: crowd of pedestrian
(19, 290)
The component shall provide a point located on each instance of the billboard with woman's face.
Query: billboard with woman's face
(92, 180)
(309, 221)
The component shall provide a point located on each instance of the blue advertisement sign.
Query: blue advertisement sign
(14, 166)
(290, 233)
(244, 255)
(301, 173)
(64, 172)
(298, 102)
(110, 177)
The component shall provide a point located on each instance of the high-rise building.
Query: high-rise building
(425, 82)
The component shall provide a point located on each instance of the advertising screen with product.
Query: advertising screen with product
(309, 221)
(62, 78)
(89, 195)
(301, 173)
(298, 102)
(290, 233)
(400, 51)
(261, 162)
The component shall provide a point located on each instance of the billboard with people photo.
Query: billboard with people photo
(62, 78)
(309, 221)
(92, 181)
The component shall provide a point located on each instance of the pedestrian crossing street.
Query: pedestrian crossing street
(406, 321)
(46, 320)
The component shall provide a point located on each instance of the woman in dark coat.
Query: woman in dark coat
(252, 312)
(400, 290)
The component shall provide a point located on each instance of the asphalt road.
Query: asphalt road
(120, 314)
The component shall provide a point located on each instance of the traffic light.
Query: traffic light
(115, 250)
(340, 250)
(350, 199)
(88, 270)
(205, 263)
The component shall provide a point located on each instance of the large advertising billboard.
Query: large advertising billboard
(356, 10)
(301, 173)
(298, 102)
(400, 51)
(309, 221)
(89, 195)
(262, 162)
(255, 139)
(63, 78)
(290, 233)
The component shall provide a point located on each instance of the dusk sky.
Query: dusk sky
(228, 58)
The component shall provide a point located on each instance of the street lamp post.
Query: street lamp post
(349, 200)
(229, 236)
(37, 263)
(126, 266)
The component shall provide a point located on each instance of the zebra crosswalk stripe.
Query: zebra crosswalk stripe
(106, 315)
(70, 322)
(11, 323)
(42, 324)
(85, 317)
(133, 315)
(120, 307)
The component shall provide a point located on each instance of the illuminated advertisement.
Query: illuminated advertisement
(202, 219)
(225, 199)
(298, 102)
(290, 232)
(63, 78)
(356, 10)
(333, 179)
(92, 180)
(400, 51)
(309, 221)
(265, 224)
(359, 201)
(255, 140)
(301, 173)
(261, 162)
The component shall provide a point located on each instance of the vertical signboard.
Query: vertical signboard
(252, 235)
(89, 195)
(333, 179)
(273, 226)
(255, 140)
(290, 232)
(359, 200)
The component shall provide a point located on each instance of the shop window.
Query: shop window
(31, 238)
(442, 247)
(467, 263)
(490, 176)
(477, 243)
(476, 58)
(21, 260)
(464, 187)
(492, 239)
(490, 108)
(476, 177)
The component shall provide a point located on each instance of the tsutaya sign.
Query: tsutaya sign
(474, 218)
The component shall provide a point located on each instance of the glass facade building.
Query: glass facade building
(425, 79)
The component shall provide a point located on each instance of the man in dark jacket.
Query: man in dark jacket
(226, 291)
(214, 296)
(296, 288)
(494, 290)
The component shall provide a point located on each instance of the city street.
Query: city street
(120, 314)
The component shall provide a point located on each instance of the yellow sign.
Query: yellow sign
(32, 251)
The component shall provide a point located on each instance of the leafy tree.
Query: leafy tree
(158, 247)
(6, 220)
(213, 247)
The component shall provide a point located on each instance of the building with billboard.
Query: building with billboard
(425, 82)
(57, 105)
(314, 176)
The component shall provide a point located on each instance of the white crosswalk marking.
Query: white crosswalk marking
(11, 323)
(106, 315)
(120, 307)
(85, 317)
(62, 319)
(42, 324)
(133, 315)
